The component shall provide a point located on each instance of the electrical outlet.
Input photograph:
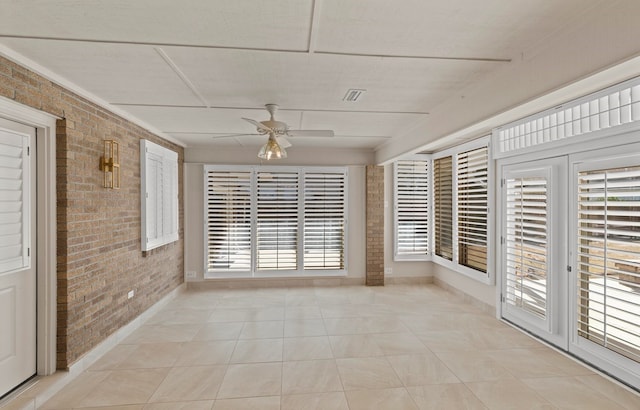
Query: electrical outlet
(131, 293)
(191, 274)
(388, 271)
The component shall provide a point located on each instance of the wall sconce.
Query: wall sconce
(110, 164)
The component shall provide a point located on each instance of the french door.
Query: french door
(17, 261)
(533, 247)
(570, 254)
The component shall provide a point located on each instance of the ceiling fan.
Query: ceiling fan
(278, 132)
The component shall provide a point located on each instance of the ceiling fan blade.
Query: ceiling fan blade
(310, 133)
(283, 142)
(258, 124)
(232, 135)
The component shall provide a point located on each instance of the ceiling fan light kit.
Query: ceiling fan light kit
(278, 131)
(272, 150)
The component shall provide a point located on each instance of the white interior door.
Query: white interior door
(17, 255)
(533, 253)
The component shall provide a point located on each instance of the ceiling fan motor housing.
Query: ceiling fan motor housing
(279, 127)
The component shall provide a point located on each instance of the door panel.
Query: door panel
(534, 249)
(17, 261)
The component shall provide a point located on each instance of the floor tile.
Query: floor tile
(307, 348)
(194, 383)
(398, 343)
(122, 387)
(469, 366)
(71, 394)
(570, 393)
(113, 357)
(445, 396)
(162, 334)
(508, 394)
(180, 317)
(219, 331)
(367, 373)
(257, 351)
(615, 392)
(315, 401)
(205, 353)
(251, 380)
(250, 403)
(421, 369)
(526, 363)
(262, 330)
(186, 405)
(312, 376)
(302, 313)
(151, 355)
(304, 327)
(354, 346)
(382, 399)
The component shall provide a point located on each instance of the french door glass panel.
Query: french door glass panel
(534, 247)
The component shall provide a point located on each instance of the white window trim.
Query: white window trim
(300, 272)
(489, 277)
(427, 256)
(169, 197)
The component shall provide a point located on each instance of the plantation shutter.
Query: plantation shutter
(472, 185)
(609, 259)
(443, 206)
(411, 209)
(14, 201)
(228, 220)
(324, 220)
(159, 195)
(277, 220)
(526, 243)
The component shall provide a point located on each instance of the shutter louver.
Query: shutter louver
(443, 206)
(14, 222)
(324, 220)
(277, 220)
(412, 208)
(526, 244)
(472, 208)
(608, 259)
(228, 221)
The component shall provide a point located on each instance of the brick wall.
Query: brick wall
(375, 226)
(98, 235)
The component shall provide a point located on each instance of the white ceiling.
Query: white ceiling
(193, 68)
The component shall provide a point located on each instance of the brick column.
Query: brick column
(375, 226)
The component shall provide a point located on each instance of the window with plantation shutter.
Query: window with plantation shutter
(411, 209)
(266, 221)
(159, 195)
(526, 243)
(277, 220)
(472, 183)
(228, 221)
(14, 201)
(608, 258)
(443, 207)
(324, 220)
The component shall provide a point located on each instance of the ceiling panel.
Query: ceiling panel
(453, 28)
(358, 124)
(280, 24)
(116, 73)
(315, 81)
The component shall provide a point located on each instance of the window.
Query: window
(261, 220)
(443, 207)
(411, 205)
(608, 258)
(472, 208)
(159, 180)
(324, 220)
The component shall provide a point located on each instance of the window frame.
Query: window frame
(253, 271)
(413, 257)
(488, 277)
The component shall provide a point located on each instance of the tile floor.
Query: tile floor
(394, 347)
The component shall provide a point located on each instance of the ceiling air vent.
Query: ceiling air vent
(353, 94)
